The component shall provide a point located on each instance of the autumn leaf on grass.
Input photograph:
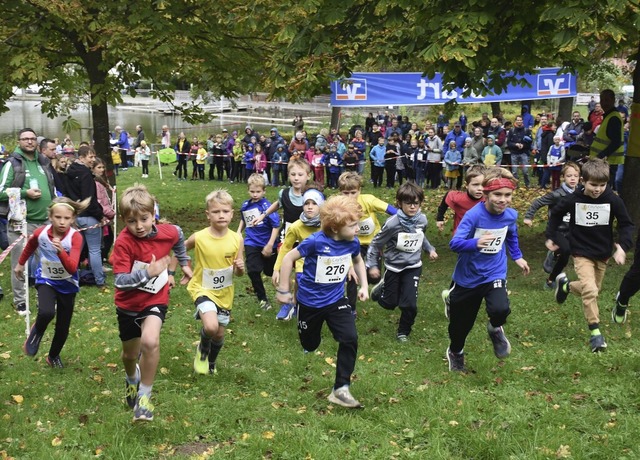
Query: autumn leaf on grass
(330, 362)
(563, 452)
(268, 435)
(18, 398)
(5, 355)
(55, 442)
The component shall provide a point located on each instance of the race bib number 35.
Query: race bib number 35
(155, 284)
(217, 279)
(332, 269)
(495, 245)
(591, 215)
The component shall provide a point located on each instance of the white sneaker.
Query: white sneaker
(342, 397)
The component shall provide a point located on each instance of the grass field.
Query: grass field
(550, 399)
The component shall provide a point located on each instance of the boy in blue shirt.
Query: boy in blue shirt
(481, 270)
(260, 239)
(328, 255)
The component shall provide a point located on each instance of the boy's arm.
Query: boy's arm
(547, 200)
(556, 215)
(271, 209)
(442, 209)
(180, 250)
(361, 273)
(283, 293)
(463, 240)
(268, 249)
(241, 226)
(238, 263)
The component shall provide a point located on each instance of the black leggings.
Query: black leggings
(48, 297)
(145, 166)
(182, 166)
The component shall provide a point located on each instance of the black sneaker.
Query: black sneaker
(55, 362)
(562, 287)
(619, 312)
(31, 345)
(549, 262)
(597, 343)
(376, 291)
(501, 345)
(456, 361)
(21, 308)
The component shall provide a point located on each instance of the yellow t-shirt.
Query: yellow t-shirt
(295, 234)
(201, 156)
(213, 272)
(369, 225)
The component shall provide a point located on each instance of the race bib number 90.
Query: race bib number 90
(332, 269)
(495, 245)
(217, 279)
(591, 215)
(409, 242)
(155, 284)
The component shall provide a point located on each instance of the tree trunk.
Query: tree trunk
(100, 113)
(565, 109)
(495, 109)
(335, 117)
(630, 190)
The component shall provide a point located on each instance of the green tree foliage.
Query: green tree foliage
(601, 75)
(80, 48)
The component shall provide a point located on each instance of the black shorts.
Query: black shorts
(257, 263)
(130, 322)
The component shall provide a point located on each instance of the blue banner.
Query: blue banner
(411, 88)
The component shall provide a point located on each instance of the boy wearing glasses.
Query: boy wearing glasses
(401, 242)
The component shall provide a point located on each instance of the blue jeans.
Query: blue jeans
(520, 159)
(93, 240)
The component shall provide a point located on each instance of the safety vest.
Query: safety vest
(601, 141)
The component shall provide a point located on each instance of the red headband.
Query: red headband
(495, 184)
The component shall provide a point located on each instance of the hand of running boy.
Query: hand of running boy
(156, 267)
(257, 220)
(551, 246)
(619, 255)
(187, 274)
(374, 273)
(528, 222)
(19, 271)
(523, 265)
(55, 242)
(485, 240)
(238, 267)
(433, 255)
(363, 293)
(275, 278)
(267, 251)
(440, 225)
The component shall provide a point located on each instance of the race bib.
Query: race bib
(217, 279)
(420, 157)
(495, 245)
(155, 284)
(333, 162)
(250, 215)
(591, 215)
(409, 242)
(366, 226)
(53, 270)
(332, 269)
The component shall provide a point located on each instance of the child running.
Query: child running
(556, 261)
(481, 270)
(260, 239)
(327, 257)
(401, 241)
(460, 202)
(56, 275)
(592, 212)
(308, 224)
(219, 256)
(350, 184)
(144, 273)
(291, 200)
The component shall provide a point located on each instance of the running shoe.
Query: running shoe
(201, 362)
(287, 311)
(447, 302)
(501, 345)
(31, 345)
(55, 362)
(597, 343)
(562, 287)
(342, 397)
(131, 390)
(143, 410)
(549, 262)
(265, 305)
(21, 309)
(619, 312)
(376, 291)
(456, 361)
(402, 338)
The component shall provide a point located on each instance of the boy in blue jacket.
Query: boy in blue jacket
(481, 241)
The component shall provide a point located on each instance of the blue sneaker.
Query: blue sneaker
(287, 311)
